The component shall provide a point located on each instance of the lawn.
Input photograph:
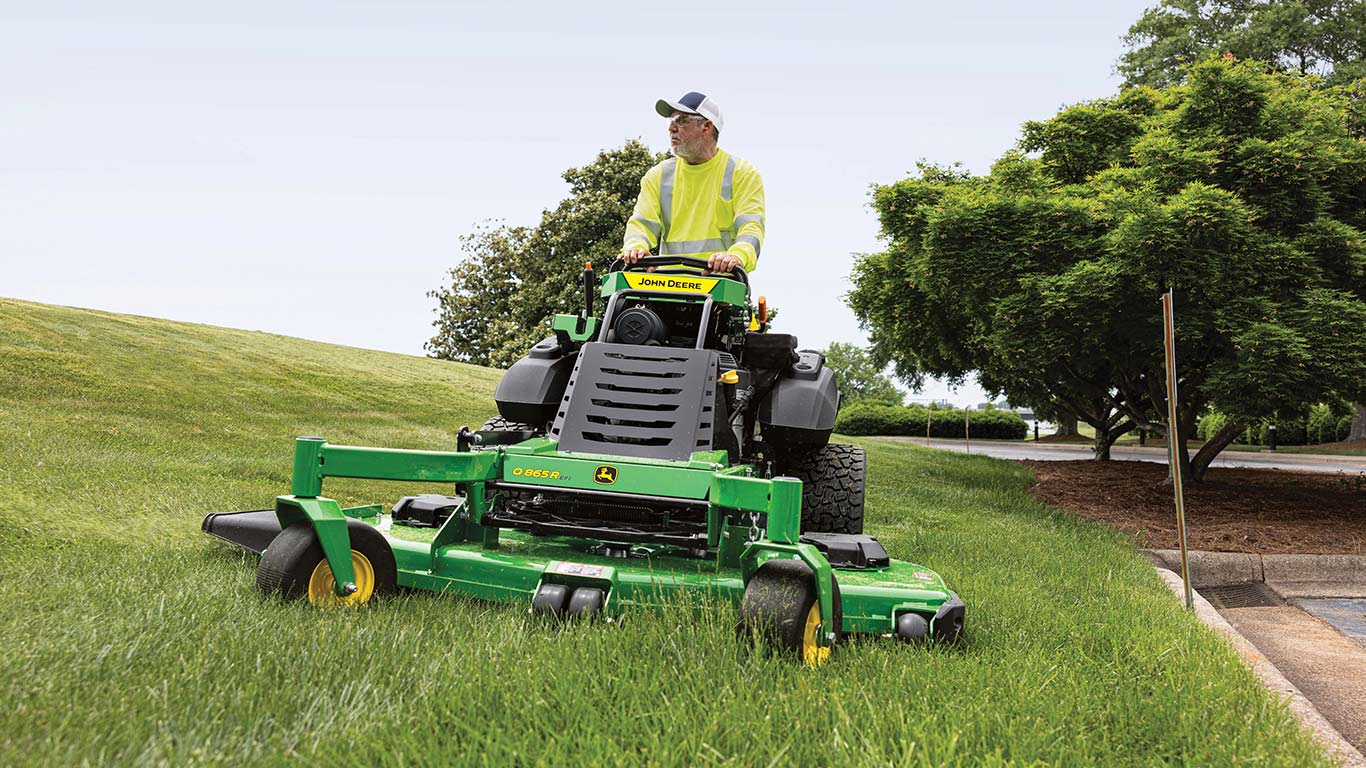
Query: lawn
(130, 637)
(1334, 449)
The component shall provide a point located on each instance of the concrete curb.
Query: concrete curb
(1290, 575)
(1322, 731)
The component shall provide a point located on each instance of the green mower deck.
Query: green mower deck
(752, 521)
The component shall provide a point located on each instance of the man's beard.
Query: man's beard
(685, 152)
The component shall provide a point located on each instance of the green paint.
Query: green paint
(574, 327)
(326, 517)
(365, 512)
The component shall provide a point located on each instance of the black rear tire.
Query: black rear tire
(832, 487)
(500, 424)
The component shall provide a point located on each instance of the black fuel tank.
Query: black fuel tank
(801, 406)
(532, 388)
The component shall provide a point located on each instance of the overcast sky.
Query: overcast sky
(308, 168)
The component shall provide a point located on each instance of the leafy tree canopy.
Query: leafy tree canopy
(860, 378)
(514, 279)
(1243, 190)
(1324, 37)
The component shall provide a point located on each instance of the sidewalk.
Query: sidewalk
(1305, 641)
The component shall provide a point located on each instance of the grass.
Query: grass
(131, 638)
(1303, 449)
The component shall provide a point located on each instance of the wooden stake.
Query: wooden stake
(1174, 439)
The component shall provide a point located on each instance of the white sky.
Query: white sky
(307, 168)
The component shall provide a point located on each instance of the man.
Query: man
(708, 206)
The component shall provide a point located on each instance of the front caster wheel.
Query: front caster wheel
(780, 604)
(293, 566)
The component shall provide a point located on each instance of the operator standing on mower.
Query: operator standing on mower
(710, 206)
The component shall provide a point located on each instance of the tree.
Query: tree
(1307, 36)
(1242, 190)
(514, 279)
(860, 379)
(1323, 37)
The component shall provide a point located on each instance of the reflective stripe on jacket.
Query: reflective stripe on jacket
(699, 210)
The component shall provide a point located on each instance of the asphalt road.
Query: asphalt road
(1348, 615)
(1302, 462)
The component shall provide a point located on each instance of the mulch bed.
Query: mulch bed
(1233, 510)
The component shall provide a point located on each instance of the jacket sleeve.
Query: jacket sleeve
(643, 228)
(749, 216)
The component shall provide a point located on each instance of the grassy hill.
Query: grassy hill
(130, 637)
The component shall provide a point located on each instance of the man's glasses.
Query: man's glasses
(682, 118)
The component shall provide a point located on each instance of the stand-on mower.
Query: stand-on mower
(672, 446)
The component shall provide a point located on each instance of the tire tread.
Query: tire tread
(833, 478)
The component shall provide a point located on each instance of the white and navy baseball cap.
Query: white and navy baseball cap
(692, 103)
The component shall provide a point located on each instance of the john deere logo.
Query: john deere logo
(605, 475)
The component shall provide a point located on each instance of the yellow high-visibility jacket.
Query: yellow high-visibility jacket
(699, 210)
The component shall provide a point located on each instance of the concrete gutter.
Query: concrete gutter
(1288, 575)
(1322, 731)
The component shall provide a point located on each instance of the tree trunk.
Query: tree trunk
(1358, 428)
(1177, 438)
(1212, 447)
(1067, 426)
(1105, 438)
(1187, 420)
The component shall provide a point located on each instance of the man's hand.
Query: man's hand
(632, 255)
(722, 262)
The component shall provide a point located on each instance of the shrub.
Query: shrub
(866, 418)
(1288, 432)
(999, 425)
(1210, 424)
(909, 421)
(1322, 424)
(1344, 428)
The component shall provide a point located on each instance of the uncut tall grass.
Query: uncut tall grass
(129, 637)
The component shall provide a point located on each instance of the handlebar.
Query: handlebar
(681, 261)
